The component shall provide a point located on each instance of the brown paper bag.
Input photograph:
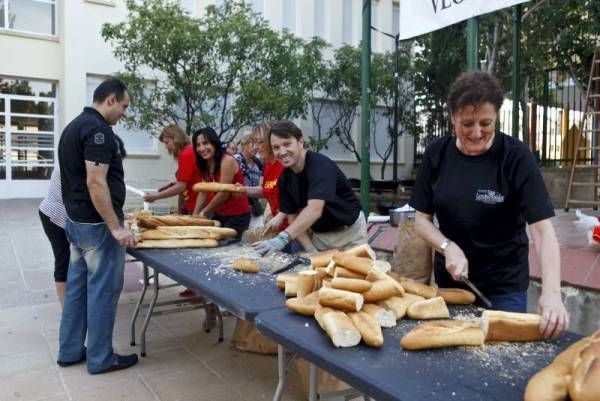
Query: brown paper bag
(412, 256)
(327, 382)
(247, 338)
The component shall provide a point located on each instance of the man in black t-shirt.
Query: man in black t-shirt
(93, 190)
(321, 207)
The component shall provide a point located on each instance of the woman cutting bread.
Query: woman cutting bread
(483, 186)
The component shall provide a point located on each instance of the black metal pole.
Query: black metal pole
(396, 100)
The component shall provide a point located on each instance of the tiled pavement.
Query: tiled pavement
(183, 362)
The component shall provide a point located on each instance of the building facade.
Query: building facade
(53, 57)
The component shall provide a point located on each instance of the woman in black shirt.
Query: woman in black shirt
(484, 186)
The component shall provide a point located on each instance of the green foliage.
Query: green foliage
(226, 70)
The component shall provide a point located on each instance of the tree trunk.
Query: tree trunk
(525, 119)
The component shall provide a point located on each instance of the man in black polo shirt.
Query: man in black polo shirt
(93, 189)
(321, 207)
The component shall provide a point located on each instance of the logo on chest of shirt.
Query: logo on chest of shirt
(270, 184)
(489, 196)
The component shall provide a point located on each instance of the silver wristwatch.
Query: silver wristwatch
(445, 244)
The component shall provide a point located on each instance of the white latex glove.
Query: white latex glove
(271, 245)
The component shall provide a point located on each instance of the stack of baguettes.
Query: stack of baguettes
(574, 373)
(180, 231)
(352, 295)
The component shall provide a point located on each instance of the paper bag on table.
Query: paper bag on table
(412, 256)
(247, 338)
(326, 382)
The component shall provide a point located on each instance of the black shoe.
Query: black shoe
(64, 364)
(121, 362)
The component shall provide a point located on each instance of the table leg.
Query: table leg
(149, 315)
(219, 322)
(281, 371)
(312, 382)
(138, 306)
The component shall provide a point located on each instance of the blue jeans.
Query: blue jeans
(94, 283)
(513, 302)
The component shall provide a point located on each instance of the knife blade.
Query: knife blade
(298, 260)
(477, 292)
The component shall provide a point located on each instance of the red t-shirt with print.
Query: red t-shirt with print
(187, 172)
(271, 172)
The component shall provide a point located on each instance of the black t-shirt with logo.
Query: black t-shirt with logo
(321, 179)
(482, 204)
(89, 138)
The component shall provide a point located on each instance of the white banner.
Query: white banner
(422, 16)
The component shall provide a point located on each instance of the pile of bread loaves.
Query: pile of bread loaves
(353, 296)
(574, 373)
(180, 231)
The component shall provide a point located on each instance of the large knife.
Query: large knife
(476, 291)
(298, 260)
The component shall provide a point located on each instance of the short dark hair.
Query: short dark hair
(107, 88)
(285, 129)
(475, 88)
(212, 137)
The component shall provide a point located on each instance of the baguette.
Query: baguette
(382, 265)
(585, 385)
(178, 243)
(321, 259)
(307, 283)
(434, 308)
(364, 251)
(345, 273)
(396, 305)
(215, 232)
(147, 221)
(443, 333)
(321, 275)
(456, 296)
(351, 284)
(385, 317)
(340, 329)
(283, 277)
(552, 382)
(330, 268)
(414, 287)
(376, 275)
(368, 327)
(306, 305)
(245, 265)
(340, 299)
(353, 263)
(218, 187)
(510, 326)
(320, 312)
(591, 349)
(291, 287)
(382, 289)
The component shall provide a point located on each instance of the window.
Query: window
(320, 18)
(27, 128)
(347, 21)
(395, 18)
(136, 141)
(31, 16)
(289, 15)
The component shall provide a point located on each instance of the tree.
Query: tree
(226, 70)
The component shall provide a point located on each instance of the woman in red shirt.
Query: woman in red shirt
(215, 165)
(178, 145)
(271, 171)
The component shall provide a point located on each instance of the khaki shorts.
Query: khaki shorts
(354, 235)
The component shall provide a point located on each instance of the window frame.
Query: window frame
(6, 28)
